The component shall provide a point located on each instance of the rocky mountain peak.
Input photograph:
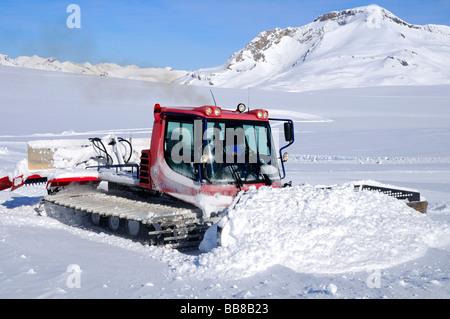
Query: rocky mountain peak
(363, 46)
(372, 14)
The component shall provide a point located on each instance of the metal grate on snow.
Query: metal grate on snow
(402, 194)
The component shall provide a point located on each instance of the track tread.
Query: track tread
(179, 226)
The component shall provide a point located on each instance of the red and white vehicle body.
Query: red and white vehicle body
(200, 155)
(206, 155)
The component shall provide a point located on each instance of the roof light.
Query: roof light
(241, 108)
(217, 111)
(208, 111)
(265, 114)
(259, 114)
(157, 108)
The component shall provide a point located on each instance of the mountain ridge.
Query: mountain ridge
(165, 75)
(360, 40)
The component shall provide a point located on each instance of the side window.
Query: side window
(178, 147)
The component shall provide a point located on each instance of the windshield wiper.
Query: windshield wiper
(236, 176)
(267, 180)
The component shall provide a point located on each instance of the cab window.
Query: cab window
(179, 147)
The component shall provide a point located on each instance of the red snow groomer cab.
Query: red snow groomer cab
(206, 155)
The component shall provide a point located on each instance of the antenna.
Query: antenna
(215, 104)
(248, 99)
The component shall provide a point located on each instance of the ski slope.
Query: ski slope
(296, 243)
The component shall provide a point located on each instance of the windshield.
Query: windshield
(239, 152)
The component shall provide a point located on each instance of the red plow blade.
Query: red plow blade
(5, 183)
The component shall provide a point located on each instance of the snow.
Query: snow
(299, 242)
(320, 231)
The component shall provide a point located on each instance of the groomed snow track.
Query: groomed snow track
(154, 221)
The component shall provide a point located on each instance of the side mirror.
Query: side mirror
(288, 131)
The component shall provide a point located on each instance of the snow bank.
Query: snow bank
(313, 230)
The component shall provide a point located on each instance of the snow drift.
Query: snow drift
(318, 230)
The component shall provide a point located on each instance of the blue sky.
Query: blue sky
(182, 34)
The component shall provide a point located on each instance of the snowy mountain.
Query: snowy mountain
(360, 47)
(364, 46)
(164, 75)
